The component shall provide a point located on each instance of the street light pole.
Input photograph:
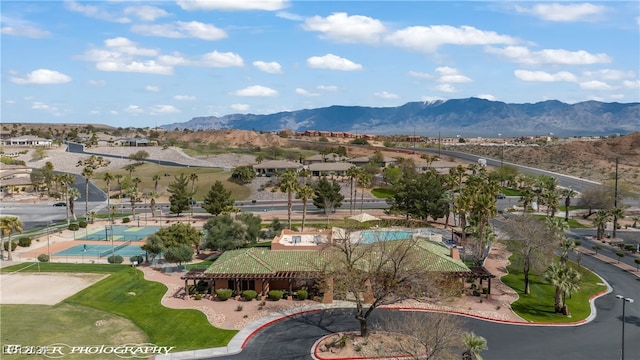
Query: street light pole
(624, 301)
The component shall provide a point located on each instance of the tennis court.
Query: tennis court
(117, 233)
(125, 250)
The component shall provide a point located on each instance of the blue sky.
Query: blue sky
(149, 63)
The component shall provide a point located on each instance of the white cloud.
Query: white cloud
(133, 109)
(268, 67)
(448, 88)
(232, 5)
(594, 85)
(94, 112)
(96, 12)
(419, 75)
(10, 102)
(523, 55)
(256, 90)
(152, 88)
(181, 29)
(21, 28)
(289, 16)
(327, 88)
(304, 92)
(564, 12)
(97, 83)
(42, 77)
(610, 74)
(38, 105)
(185, 98)
(126, 46)
(347, 28)
(145, 12)
(163, 109)
(218, 59)
(114, 112)
(631, 84)
(430, 38)
(486, 97)
(451, 75)
(147, 67)
(332, 62)
(386, 95)
(240, 107)
(542, 76)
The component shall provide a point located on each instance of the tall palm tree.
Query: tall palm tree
(617, 213)
(289, 184)
(473, 344)
(9, 224)
(600, 222)
(72, 195)
(566, 280)
(567, 194)
(550, 198)
(108, 178)
(130, 168)
(364, 180)
(156, 179)
(193, 178)
(352, 173)
(527, 195)
(87, 172)
(65, 181)
(483, 208)
(305, 192)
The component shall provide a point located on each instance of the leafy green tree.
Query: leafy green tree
(473, 345)
(392, 174)
(275, 227)
(288, 184)
(428, 193)
(139, 156)
(179, 254)
(9, 224)
(218, 200)
(566, 281)
(244, 174)
(173, 236)
(180, 194)
(327, 195)
(154, 245)
(225, 233)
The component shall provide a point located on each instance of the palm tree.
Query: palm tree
(156, 179)
(9, 224)
(305, 192)
(65, 181)
(289, 184)
(352, 173)
(72, 195)
(616, 213)
(566, 280)
(193, 178)
(483, 208)
(600, 222)
(567, 194)
(473, 344)
(108, 178)
(527, 195)
(87, 172)
(130, 168)
(550, 198)
(364, 179)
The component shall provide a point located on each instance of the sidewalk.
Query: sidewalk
(624, 266)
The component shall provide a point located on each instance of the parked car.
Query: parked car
(500, 196)
(61, 203)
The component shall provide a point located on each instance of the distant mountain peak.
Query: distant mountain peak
(466, 117)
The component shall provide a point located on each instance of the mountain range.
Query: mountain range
(465, 117)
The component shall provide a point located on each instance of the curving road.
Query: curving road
(599, 339)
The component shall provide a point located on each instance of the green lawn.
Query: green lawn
(382, 193)
(538, 305)
(126, 294)
(573, 224)
(511, 192)
(206, 178)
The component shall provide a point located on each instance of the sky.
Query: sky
(151, 63)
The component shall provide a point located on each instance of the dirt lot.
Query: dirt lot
(43, 288)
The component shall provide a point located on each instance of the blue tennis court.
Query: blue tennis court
(124, 250)
(119, 233)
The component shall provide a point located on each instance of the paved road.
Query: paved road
(599, 339)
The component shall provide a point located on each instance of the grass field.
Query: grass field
(206, 178)
(126, 294)
(538, 306)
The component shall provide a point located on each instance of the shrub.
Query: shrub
(223, 294)
(275, 295)
(82, 224)
(239, 307)
(14, 245)
(198, 297)
(620, 255)
(249, 295)
(125, 220)
(43, 258)
(137, 258)
(73, 227)
(115, 259)
(302, 294)
(24, 241)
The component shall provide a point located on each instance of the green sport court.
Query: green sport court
(116, 233)
(98, 251)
